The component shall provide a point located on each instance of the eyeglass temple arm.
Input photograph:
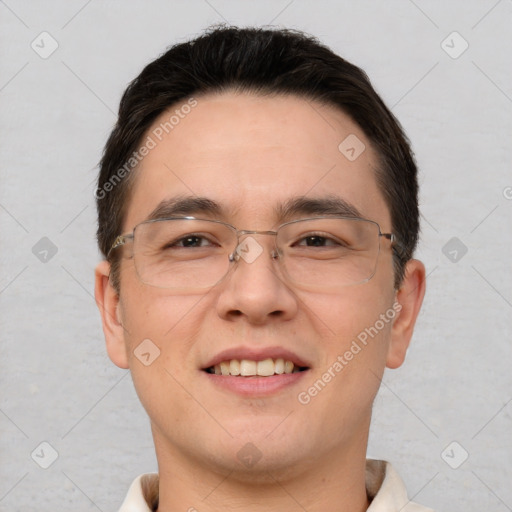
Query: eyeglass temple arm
(397, 246)
(389, 236)
(120, 240)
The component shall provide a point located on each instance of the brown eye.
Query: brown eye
(317, 241)
(189, 242)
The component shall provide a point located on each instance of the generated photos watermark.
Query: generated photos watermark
(357, 345)
(152, 140)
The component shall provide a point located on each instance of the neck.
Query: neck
(335, 481)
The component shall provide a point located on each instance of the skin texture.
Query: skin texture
(249, 153)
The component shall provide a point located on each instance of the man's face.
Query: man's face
(251, 154)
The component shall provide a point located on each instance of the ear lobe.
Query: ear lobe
(410, 297)
(107, 300)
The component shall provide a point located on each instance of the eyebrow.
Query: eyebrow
(329, 205)
(292, 208)
(185, 205)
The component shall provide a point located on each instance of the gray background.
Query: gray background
(57, 384)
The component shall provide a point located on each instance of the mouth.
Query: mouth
(247, 368)
(255, 372)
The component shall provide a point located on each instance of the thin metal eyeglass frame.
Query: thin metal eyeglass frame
(233, 256)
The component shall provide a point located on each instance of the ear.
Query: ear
(107, 300)
(408, 299)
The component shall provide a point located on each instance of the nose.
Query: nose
(254, 289)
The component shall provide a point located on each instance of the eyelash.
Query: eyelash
(183, 238)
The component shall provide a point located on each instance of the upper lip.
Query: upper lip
(256, 354)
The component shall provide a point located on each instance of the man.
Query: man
(258, 215)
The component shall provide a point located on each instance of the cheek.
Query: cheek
(160, 331)
(357, 334)
(356, 328)
(150, 312)
(159, 324)
(352, 312)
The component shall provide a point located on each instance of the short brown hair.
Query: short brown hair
(261, 61)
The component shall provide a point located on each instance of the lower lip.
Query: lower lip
(255, 386)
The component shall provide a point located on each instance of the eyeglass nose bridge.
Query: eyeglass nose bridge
(238, 252)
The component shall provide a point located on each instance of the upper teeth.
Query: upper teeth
(246, 368)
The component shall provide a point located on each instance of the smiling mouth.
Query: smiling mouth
(248, 368)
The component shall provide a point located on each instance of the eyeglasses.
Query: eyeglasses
(320, 253)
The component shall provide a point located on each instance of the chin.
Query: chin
(261, 465)
(254, 456)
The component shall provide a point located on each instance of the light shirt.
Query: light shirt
(384, 487)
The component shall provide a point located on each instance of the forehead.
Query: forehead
(252, 154)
